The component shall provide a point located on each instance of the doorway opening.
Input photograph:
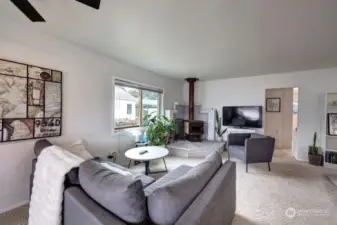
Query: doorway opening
(281, 117)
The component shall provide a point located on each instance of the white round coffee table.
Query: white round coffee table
(149, 153)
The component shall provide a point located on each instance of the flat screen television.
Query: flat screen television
(242, 116)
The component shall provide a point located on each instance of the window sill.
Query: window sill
(125, 128)
(128, 130)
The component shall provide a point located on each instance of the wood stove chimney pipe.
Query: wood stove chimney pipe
(191, 82)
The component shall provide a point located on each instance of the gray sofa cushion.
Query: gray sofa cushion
(255, 135)
(40, 145)
(121, 195)
(80, 209)
(171, 176)
(237, 138)
(216, 204)
(146, 180)
(168, 202)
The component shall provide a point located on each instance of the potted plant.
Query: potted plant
(314, 157)
(159, 129)
(218, 127)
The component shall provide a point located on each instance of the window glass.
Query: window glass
(150, 103)
(126, 107)
(129, 109)
(133, 104)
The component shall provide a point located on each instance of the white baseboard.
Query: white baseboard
(302, 160)
(14, 206)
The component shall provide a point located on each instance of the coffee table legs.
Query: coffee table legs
(147, 168)
(165, 164)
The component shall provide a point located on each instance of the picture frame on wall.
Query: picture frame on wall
(332, 124)
(31, 101)
(273, 104)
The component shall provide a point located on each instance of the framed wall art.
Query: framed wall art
(30, 101)
(273, 104)
(332, 124)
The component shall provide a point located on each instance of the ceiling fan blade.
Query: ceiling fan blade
(92, 3)
(27, 9)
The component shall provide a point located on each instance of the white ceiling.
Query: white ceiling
(203, 38)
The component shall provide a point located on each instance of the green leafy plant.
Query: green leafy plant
(313, 149)
(159, 129)
(218, 127)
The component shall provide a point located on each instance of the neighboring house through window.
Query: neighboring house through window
(134, 101)
(129, 109)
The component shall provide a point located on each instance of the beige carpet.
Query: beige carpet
(292, 193)
(17, 216)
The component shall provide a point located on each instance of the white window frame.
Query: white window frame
(141, 87)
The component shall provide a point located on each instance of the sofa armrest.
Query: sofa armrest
(237, 138)
(259, 149)
(216, 204)
(79, 208)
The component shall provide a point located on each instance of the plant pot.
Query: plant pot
(219, 138)
(334, 159)
(315, 160)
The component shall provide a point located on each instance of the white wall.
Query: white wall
(251, 91)
(87, 101)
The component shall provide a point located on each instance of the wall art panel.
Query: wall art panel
(30, 101)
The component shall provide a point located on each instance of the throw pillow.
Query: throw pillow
(79, 148)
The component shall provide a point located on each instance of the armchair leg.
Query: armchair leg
(269, 166)
(246, 167)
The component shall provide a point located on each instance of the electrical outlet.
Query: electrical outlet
(112, 156)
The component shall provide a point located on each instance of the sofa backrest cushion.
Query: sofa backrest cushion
(40, 145)
(121, 195)
(168, 202)
(237, 138)
(216, 203)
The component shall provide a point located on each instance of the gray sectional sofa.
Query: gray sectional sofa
(201, 195)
